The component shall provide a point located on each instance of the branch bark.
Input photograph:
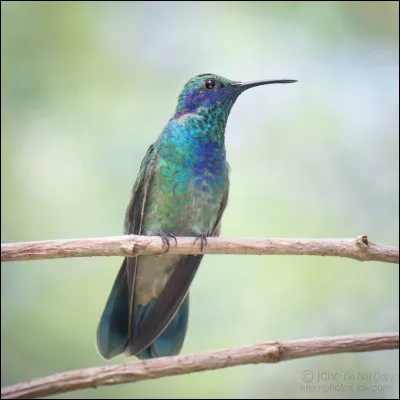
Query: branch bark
(359, 248)
(268, 352)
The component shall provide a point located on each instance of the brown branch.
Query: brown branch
(269, 352)
(359, 248)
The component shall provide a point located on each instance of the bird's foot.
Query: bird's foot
(165, 237)
(203, 241)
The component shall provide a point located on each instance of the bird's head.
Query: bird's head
(210, 91)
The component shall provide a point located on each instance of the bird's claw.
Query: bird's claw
(203, 241)
(165, 237)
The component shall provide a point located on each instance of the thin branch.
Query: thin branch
(269, 352)
(359, 248)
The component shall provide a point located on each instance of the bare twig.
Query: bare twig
(269, 352)
(359, 248)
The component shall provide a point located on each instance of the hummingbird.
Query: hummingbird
(181, 190)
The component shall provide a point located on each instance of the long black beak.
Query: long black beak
(248, 85)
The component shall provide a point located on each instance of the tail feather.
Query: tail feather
(171, 340)
(112, 332)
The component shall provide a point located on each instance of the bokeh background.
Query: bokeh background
(88, 86)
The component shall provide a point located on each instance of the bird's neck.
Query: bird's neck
(206, 124)
(195, 139)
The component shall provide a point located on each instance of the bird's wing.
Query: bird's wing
(135, 209)
(134, 219)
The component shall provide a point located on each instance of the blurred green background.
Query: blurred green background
(87, 87)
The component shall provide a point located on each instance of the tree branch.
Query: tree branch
(359, 248)
(268, 352)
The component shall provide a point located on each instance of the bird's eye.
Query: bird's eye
(210, 84)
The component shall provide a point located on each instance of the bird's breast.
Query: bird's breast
(187, 190)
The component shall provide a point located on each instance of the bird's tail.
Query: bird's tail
(171, 340)
(112, 332)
